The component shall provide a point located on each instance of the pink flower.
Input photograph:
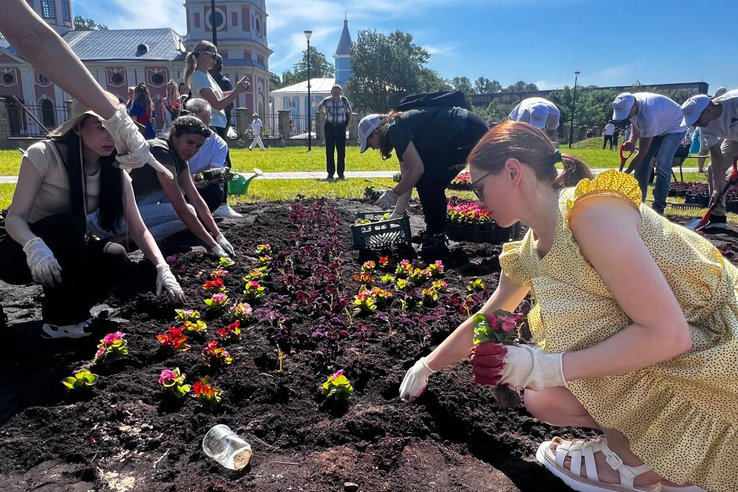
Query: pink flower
(509, 325)
(167, 374)
(100, 351)
(112, 337)
(220, 297)
(337, 374)
(171, 259)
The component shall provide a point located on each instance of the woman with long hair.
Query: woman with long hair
(199, 62)
(171, 107)
(432, 145)
(635, 324)
(62, 181)
(142, 110)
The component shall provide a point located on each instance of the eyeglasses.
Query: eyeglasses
(479, 192)
(211, 53)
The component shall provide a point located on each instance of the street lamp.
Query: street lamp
(573, 103)
(309, 108)
(212, 23)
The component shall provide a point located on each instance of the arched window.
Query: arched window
(47, 6)
(48, 116)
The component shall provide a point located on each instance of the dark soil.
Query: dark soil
(124, 434)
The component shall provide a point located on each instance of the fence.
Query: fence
(299, 127)
(20, 124)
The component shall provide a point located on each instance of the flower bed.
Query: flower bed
(140, 425)
(467, 221)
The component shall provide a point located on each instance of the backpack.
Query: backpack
(443, 99)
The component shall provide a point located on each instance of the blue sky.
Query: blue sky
(542, 41)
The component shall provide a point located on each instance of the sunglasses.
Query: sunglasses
(479, 191)
(211, 53)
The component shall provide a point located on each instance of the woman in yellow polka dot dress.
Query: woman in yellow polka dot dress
(635, 321)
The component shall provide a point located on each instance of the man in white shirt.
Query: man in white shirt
(256, 126)
(539, 112)
(607, 135)
(718, 120)
(657, 124)
(211, 155)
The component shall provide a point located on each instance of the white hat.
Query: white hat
(78, 112)
(255, 114)
(720, 92)
(538, 116)
(693, 107)
(622, 106)
(366, 126)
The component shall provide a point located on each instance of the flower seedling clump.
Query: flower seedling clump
(365, 302)
(241, 311)
(387, 279)
(111, 347)
(253, 291)
(436, 270)
(430, 296)
(385, 263)
(213, 286)
(174, 382)
(230, 332)
(368, 267)
(198, 326)
(440, 285)
(255, 274)
(80, 380)
(186, 315)
(265, 260)
(337, 387)
(403, 269)
(467, 213)
(217, 302)
(383, 297)
(177, 264)
(263, 249)
(226, 262)
(173, 340)
(500, 326)
(418, 276)
(364, 278)
(216, 355)
(475, 285)
(218, 273)
(207, 395)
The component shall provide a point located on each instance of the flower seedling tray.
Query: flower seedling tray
(488, 232)
(379, 233)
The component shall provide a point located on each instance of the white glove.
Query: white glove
(415, 381)
(133, 151)
(166, 281)
(45, 270)
(223, 243)
(528, 367)
(396, 215)
(218, 251)
(388, 199)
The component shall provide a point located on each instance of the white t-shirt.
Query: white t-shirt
(523, 110)
(657, 115)
(726, 126)
(609, 129)
(256, 126)
(202, 80)
(212, 154)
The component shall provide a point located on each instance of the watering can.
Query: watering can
(239, 185)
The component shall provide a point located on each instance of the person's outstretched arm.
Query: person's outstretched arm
(47, 52)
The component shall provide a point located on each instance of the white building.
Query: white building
(294, 98)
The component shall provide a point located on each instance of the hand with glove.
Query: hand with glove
(518, 366)
(218, 251)
(45, 270)
(223, 243)
(415, 381)
(396, 215)
(387, 199)
(165, 281)
(133, 150)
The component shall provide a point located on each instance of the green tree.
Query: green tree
(464, 85)
(386, 68)
(85, 24)
(430, 81)
(320, 67)
(521, 86)
(485, 86)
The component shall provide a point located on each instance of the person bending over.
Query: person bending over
(211, 155)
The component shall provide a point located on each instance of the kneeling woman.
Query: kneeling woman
(61, 181)
(432, 145)
(636, 320)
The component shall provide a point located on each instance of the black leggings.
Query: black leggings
(441, 169)
(89, 270)
(222, 134)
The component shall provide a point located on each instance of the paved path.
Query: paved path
(322, 175)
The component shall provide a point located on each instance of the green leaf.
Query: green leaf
(69, 382)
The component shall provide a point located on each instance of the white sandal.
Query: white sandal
(554, 462)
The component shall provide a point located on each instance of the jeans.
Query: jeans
(335, 138)
(666, 146)
(161, 219)
(606, 138)
(222, 134)
(89, 270)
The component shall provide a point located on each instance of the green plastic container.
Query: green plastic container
(239, 185)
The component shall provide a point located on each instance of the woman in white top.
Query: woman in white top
(63, 180)
(170, 111)
(202, 85)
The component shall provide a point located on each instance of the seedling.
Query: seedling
(174, 382)
(173, 340)
(207, 395)
(216, 302)
(241, 311)
(216, 355)
(476, 285)
(213, 286)
(230, 332)
(226, 262)
(500, 326)
(111, 347)
(82, 379)
(253, 291)
(337, 387)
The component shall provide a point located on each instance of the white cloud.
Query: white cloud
(157, 13)
(446, 49)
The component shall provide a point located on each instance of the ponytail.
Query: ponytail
(190, 68)
(192, 58)
(574, 171)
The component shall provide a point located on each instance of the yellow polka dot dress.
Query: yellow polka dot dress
(680, 416)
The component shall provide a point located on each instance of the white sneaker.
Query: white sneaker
(66, 331)
(225, 210)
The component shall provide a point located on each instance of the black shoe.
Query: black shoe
(434, 247)
(329, 178)
(341, 176)
(716, 222)
(419, 237)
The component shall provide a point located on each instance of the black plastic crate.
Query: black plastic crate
(482, 233)
(380, 233)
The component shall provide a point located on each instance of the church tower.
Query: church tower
(342, 57)
(241, 28)
(56, 13)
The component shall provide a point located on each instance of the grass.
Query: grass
(6, 194)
